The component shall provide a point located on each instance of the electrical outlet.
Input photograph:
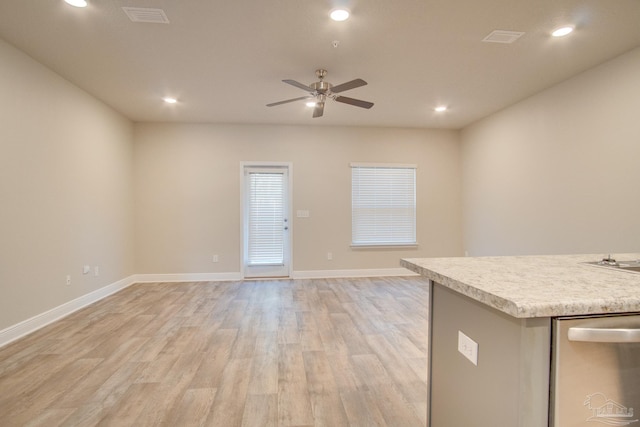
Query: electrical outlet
(329, 256)
(86, 269)
(68, 280)
(215, 258)
(468, 348)
(96, 271)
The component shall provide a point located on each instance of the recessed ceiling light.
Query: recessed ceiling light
(169, 100)
(562, 31)
(441, 108)
(339, 14)
(77, 3)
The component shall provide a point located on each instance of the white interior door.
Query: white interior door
(266, 240)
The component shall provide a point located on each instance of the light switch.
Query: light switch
(468, 348)
(302, 214)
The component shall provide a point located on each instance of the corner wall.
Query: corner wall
(558, 172)
(65, 190)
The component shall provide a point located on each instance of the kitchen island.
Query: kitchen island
(508, 307)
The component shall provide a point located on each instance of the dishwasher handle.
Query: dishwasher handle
(615, 335)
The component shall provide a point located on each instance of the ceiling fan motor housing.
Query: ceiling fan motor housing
(321, 86)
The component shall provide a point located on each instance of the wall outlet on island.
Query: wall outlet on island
(468, 348)
(329, 256)
(215, 258)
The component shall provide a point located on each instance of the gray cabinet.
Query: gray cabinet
(509, 386)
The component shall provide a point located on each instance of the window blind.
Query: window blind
(266, 219)
(383, 205)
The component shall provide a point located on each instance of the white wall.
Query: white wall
(558, 172)
(187, 181)
(65, 190)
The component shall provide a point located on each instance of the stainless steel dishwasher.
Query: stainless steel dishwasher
(595, 371)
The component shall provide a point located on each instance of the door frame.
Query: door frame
(288, 211)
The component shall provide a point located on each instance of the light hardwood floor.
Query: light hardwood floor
(336, 352)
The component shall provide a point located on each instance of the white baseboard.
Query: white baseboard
(333, 274)
(235, 276)
(28, 326)
(187, 277)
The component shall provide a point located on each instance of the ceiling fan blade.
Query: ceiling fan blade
(298, 85)
(289, 100)
(348, 85)
(318, 110)
(356, 102)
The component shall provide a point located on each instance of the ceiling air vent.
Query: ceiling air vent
(143, 14)
(502, 36)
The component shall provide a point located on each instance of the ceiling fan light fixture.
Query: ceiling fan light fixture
(77, 3)
(339, 14)
(562, 31)
(321, 91)
(169, 100)
(440, 109)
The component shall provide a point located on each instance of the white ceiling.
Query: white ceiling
(225, 59)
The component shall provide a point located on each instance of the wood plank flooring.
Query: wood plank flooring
(335, 352)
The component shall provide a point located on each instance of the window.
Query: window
(383, 204)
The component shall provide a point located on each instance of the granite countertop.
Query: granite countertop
(537, 286)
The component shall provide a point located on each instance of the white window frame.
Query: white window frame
(378, 214)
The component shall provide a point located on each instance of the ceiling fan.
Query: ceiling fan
(320, 91)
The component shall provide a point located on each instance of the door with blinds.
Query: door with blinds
(266, 240)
